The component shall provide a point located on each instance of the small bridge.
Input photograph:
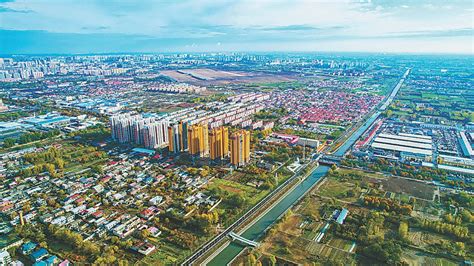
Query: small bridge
(330, 160)
(243, 240)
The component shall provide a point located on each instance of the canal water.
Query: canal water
(259, 227)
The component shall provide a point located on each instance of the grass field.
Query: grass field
(253, 194)
(416, 258)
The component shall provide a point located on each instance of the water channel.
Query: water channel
(259, 227)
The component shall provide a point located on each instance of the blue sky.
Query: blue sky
(101, 26)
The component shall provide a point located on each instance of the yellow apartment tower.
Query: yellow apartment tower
(240, 148)
(198, 140)
(219, 143)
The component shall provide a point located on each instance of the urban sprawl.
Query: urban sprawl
(279, 159)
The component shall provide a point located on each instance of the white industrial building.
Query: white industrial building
(406, 146)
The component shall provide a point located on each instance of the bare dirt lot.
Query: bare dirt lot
(416, 189)
(206, 76)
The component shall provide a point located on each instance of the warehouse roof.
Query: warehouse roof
(404, 143)
(406, 138)
(401, 148)
(415, 136)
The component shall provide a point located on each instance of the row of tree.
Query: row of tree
(73, 239)
(30, 137)
(457, 231)
(388, 205)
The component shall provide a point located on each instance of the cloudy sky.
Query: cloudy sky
(101, 26)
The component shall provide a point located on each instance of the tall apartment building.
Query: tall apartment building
(240, 148)
(174, 139)
(138, 127)
(198, 140)
(127, 128)
(122, 127)
(219, 142)
(183, 132)
(155, 134)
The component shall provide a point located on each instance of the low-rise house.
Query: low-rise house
(157, 200)
(127, 228)
(154, 232)
(27, 248)
(149, 212)
(144, 248)
(38, 254)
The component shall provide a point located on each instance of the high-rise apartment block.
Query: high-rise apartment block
(150, 132)
(240, 148)
(174, 139)
(122, 127)
(191, 129)
(219, 142)
(155, 134)
(198, 140)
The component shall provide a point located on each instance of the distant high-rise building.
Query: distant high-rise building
(138, 127)
(219, 142)
(240, 148)
(127, 128)
(183, 132)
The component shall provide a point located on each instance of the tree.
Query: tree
(251, 259)
(59, 163)
(97, 168)
(50, 168)
(8, 143)
(388, 252)
(204, 173)
(90, 248)
(403, 230)
(144, 234)
(43, 244)
(114, 239)
(460, 248)
(272, 260)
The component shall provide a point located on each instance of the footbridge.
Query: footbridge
(243, 240)
(330, 160)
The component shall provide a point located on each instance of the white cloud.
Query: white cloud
(248, 19)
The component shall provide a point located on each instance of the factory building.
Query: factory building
(405, 146)
(466, 145)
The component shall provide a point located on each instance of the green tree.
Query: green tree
(251, 259)
(272, 260)
(8, 143)
(403, 230)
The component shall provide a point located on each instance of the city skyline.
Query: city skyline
(62, 27)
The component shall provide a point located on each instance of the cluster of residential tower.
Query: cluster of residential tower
(198, 131)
